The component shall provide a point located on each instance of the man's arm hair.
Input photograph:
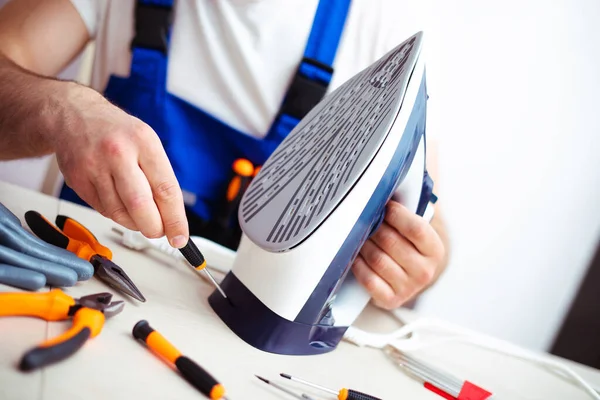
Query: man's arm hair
(37, 40)
(29, 106)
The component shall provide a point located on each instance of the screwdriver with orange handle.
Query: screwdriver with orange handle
(191, 371)
(224, 228)
(88, 313)
(343, 394)
(243, 171)
(194, 256)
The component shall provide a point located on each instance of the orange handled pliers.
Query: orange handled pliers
(88, 313)
(73, 236)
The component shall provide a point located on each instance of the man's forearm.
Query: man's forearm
(30, 107)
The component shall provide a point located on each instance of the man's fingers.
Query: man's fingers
(401, 251)
(413, 227)
(135, 193)
(384, 266)
(98, 190)
(112, 205)
(169, 200)
(382, 293)
(166, 191)
(87, 192)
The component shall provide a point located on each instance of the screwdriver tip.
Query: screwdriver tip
(262, 379)
(214, 282)
(286, 376)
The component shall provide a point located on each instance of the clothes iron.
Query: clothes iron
(318, 198)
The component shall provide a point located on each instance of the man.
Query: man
(189, 88)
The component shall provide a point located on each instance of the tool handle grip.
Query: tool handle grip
(193, 255)
(191, 371)
(42, 356)
(87, 323)
(243, 171)
(199, 378)
(51, 306)
(355, 395)
(77, 231)
(49, 233)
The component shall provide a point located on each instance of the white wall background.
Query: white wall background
(515, 89)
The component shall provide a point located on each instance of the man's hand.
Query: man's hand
(113, 161)
(401, 259)
(117, 164)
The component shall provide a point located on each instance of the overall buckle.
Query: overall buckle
(305, 92)
(152, 22)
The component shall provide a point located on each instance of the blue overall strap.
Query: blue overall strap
(327, 29)
(315, 71)
(153, 20)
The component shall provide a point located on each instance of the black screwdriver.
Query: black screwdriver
(194, 256)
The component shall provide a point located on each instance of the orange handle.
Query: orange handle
(234, 188)
(49, 233)
(51, 306)
(77, 231)
(155, 341)
(161, 346)
(191, 371)
(84, 318)
(242, 169)
(87, 323)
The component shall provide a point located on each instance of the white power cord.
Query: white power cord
(218, 258)
(406, 339)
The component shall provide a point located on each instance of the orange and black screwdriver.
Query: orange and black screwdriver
(194, 256)
(243, 171)
(343, 394)
(191, 371)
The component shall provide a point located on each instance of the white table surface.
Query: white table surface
(114, 366)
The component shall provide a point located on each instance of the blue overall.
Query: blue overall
(201, 148)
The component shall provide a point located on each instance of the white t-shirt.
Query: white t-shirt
(235, 59)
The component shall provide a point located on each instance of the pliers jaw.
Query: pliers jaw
(114, 276)
(99, 301)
